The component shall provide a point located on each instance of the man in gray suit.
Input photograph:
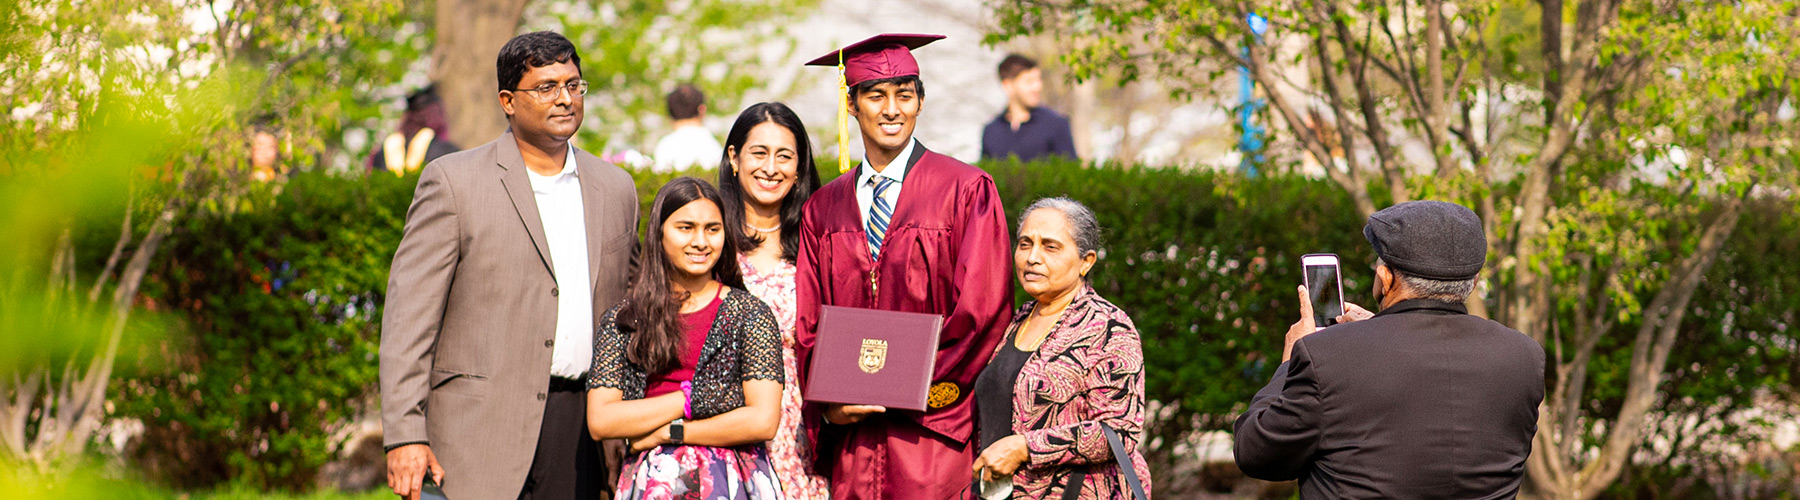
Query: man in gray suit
(511, 252)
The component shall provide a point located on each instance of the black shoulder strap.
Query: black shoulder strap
(1072, 488)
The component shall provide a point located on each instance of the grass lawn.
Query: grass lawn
(248, 494)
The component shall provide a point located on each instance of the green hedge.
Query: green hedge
(282, 290)
(1205, 263)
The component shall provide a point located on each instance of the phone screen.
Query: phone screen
(1322, 284)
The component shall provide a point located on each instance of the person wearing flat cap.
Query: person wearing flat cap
(909, 230)
(1420, 401)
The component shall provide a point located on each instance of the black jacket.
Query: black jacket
(1421, 401)
(743, 344)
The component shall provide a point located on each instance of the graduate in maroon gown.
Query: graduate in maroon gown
(909, 230)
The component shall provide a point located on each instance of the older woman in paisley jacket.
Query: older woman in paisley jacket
(1071, 364)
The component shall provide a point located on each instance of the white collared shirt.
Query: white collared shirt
(565, 231)
(685, 148)
(896, 170)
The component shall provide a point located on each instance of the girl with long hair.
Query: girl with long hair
(688, 367)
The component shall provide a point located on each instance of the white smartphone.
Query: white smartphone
(1325, 288)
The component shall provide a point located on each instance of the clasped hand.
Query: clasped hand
(1003, 458)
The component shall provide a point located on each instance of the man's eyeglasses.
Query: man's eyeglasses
(550, 91)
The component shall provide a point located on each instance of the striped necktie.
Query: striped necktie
(880, 212)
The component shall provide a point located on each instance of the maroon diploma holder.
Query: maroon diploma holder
(873, 357)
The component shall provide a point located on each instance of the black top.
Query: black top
(1420, 401)
(1045, 133)
(744, 344)
(994, 393)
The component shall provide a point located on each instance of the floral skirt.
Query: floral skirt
(700, 473)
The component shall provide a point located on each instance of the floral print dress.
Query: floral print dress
(699, 473)
(789, 451)
(741, 344)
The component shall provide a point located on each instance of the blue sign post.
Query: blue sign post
(1250, 143)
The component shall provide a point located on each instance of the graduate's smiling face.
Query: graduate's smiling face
(886, 113)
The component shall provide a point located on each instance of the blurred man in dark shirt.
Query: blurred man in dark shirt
(424, 135)
(1025, 129)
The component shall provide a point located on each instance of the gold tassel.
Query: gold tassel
(843, 125)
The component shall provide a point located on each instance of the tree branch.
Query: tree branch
(118, 251)
(1655, 340)
(1393, 170)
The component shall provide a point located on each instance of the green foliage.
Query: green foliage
(90, 481)
(636, 51)
(1206, 264)
(283, 296)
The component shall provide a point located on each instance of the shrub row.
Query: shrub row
(283, 296)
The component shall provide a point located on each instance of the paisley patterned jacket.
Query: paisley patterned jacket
(1088, 371)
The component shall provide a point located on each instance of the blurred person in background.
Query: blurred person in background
(689, 144)
(424, 136)
(1025, 129)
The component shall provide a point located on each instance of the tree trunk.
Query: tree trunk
(1081, 118)
(70, 409)
(1437, 119)
(469, 36)
(1650, 352)
(1553, 466)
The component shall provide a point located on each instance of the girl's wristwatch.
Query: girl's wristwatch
(675, 432)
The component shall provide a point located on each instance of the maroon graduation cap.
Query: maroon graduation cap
(881, 56)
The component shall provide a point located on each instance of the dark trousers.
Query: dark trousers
(569, 464)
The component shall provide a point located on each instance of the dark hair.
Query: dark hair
(424, 109)
(651, 314)
(1014, 64)
(806, 182)
(533, 50)
(917, 85)
(421, 98)
(685, 102)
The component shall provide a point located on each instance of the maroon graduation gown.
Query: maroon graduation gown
(947, 252)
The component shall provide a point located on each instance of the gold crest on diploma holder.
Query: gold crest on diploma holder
(873, 356)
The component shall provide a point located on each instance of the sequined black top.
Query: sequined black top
(744, 344)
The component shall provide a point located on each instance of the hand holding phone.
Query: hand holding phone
(1324, 288)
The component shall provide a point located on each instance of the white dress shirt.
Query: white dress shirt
(685, 148)
(565, 231)
(896, 170)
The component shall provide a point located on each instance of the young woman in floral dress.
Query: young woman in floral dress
(766, 175)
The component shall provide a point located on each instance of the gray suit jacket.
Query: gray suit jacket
(466, 336)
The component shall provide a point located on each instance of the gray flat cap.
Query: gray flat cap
(1429, 239)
